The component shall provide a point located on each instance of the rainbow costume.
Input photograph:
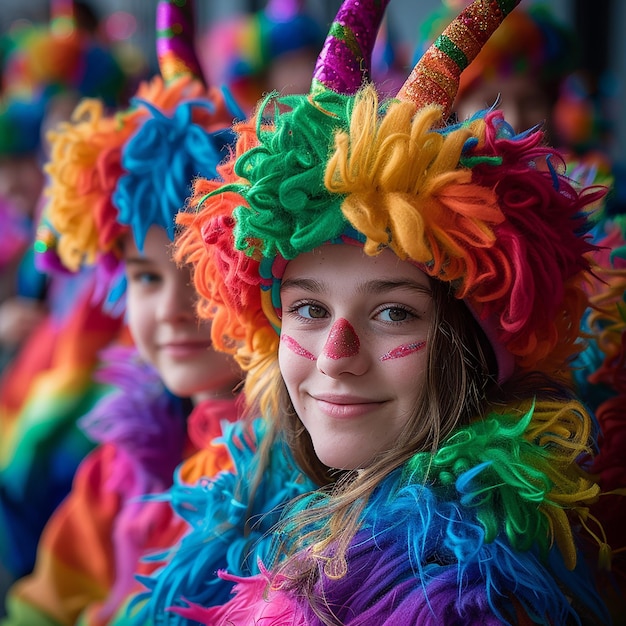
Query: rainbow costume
(490, 526)
(110, 175)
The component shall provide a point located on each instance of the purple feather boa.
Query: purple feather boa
(146, 426)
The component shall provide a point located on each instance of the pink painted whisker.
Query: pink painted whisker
(296, 348)
(403, 350)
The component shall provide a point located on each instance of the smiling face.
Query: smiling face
(162, 321)
(353, 349)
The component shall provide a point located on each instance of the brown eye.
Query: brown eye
(312, 311)
(397, 315)
(394, 314)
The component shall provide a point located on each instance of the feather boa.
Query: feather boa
(464, 536)
(141, 417)
(224, 533)
(146, 424)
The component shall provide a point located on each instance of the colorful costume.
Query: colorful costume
(111, 175)
(230, 519)
(488, 527)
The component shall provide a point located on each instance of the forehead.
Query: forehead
(156, 245)
(349, 264)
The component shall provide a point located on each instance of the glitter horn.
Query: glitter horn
(435, 78)
(175, 40)
(345, 60)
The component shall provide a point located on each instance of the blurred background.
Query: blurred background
(598, 26)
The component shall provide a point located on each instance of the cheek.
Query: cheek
(141, 325)
(406, 374)
(292, 344)
(295, 363)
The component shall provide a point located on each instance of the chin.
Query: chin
(337, 460)
(182, 389)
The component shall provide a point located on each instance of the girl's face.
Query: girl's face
(353, 349)
(164, 326)
(21, 182)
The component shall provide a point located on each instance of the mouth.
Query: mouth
(346, 407)
(184, 348)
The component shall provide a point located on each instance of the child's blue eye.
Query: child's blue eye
(144, 278)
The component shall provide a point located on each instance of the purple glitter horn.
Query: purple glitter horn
(175, 40)
(345, 60)
(435, 78)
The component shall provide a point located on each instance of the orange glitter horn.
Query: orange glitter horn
(435, 78)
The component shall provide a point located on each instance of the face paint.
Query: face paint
(296, 348)
(342, 341)
(402, 351)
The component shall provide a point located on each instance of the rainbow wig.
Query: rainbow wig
(490, 212)
(111, 174)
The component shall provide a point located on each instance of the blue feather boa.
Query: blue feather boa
(223, 534)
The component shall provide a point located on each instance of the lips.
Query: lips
(184, 348)
(346, 407)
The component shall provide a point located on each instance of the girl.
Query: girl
(116, 184)
(410, 296)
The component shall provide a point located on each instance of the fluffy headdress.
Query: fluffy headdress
(132, 170)
(475, 205)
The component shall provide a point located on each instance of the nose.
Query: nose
(342, 351)
(177, 302)
(8, 183)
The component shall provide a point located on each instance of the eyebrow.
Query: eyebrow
(365, 287)
(305, 284)
(138, 260)
(375, 286)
